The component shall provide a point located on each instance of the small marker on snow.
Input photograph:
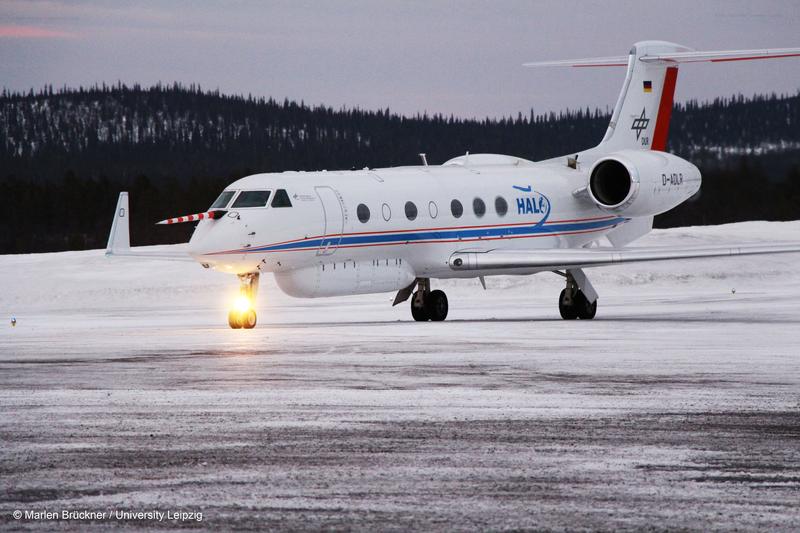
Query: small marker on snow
(733, 291)
(13, 321)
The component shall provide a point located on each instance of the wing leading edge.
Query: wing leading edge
(558, 258)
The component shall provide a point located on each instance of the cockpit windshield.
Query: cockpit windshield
(251, 199)
(222, 200)
(281, 199)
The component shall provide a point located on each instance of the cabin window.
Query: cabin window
(411, 211)
(363, 213)
(387, 212)
(222, 200)
(478, 207)
(456, 208)
(251, 199)
(433, 209)
(501, 206)
(281, 199)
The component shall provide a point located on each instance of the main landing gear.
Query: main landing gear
(243, 315)
(572, 303)
(427, 304)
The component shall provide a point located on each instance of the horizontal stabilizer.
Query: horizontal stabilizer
(689, 56)
(590, 257)
(613, 61)
(722, 56)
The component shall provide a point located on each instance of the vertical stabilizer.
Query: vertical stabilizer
(644, 107)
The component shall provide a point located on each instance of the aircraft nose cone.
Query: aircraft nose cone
(201, 242)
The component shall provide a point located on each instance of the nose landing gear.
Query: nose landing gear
(243, 315)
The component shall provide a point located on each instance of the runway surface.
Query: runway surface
(678, 407)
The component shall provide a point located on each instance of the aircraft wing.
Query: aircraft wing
(119, 240)
(563, 258)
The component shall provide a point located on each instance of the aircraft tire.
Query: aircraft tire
(568, 312)
(248, 319)
(233, 320)
(436, 305)
(420, 313)
(586, 310)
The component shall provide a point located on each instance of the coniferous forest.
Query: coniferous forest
(66, 154)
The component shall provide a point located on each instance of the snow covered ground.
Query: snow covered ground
(121, 387)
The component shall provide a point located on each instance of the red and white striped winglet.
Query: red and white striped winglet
(213, 215)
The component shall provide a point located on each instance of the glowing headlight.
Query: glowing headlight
(242, 304)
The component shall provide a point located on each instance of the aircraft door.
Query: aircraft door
(334, 219)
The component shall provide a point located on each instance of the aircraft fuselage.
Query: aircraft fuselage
(415, 219)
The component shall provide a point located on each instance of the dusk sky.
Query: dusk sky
(462, 58)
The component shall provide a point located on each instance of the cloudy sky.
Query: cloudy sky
(460, 57)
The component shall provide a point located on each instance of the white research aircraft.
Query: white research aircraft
(394, 229)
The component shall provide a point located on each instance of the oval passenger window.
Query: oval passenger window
(501, 206)
(363, 213)
(411, 211)
(478, 207)
(456, 208)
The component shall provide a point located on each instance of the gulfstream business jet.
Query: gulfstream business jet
(396, 229)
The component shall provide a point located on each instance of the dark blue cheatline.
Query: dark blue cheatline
(444, 235)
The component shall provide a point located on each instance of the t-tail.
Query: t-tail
(629, 162)
(644, 107)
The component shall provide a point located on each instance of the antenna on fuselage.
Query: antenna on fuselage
(572, 162)
(424, 158)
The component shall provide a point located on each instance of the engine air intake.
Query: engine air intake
(610, 183)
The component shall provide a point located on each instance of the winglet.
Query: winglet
(119, 239)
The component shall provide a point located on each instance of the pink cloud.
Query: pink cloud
(33, 32)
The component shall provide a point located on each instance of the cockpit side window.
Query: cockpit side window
(251, 199)
(281, 199)
(222, 200)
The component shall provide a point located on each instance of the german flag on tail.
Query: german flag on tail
(648, 86)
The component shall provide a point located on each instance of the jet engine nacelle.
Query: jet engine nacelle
(639, 183)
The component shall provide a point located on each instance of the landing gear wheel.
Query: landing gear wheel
(248, 319)
(585, 310)
(579, 307)
(436, 305)
(568, 310)
(233, 320)
(243, 315)
(419, 312)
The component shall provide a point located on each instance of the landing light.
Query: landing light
(242, 304)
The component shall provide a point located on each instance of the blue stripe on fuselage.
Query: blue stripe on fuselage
(444, 234)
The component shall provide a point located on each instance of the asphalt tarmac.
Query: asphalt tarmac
(464, 425)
